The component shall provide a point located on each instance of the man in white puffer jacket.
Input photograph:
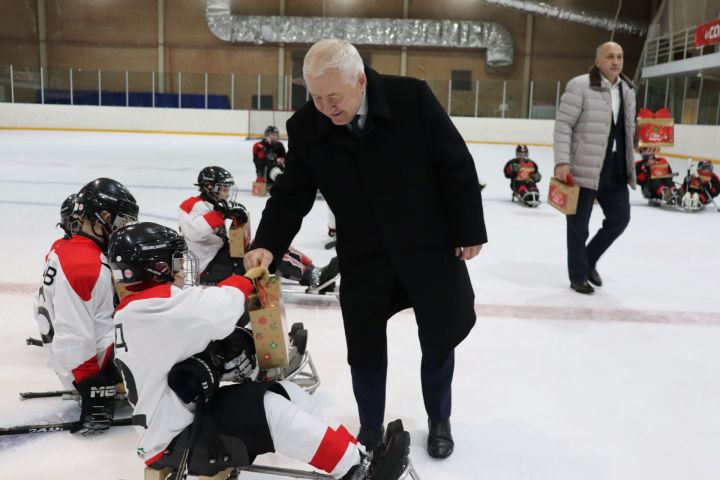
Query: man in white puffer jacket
(593, 141)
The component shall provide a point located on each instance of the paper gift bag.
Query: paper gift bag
(655, 129)
(563, 197)
(259, 189)
(660, 170)
(525, 171)
(270, 333)
(239, 238)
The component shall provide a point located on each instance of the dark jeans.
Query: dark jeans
(615, 204)
(436, 374)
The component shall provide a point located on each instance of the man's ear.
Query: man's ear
(362, 80)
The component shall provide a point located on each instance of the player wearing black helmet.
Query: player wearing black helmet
(655, 177)
(269, 156)
(202, 223)
(173, 347)
(524, 174)
(75, 302)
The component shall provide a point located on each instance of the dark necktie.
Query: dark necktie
(355, 125)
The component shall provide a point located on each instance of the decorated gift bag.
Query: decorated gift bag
(563, 196)
(267, 317)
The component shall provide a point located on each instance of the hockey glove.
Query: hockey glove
(536, 177)
(195, 379)
(260, 274)
(239, 353)
(515, 167)
(232, 210)
(97, 405)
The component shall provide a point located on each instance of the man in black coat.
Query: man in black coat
(408, 214)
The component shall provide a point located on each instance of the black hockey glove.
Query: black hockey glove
(232, 210)
(238, 352)
(515, 167)
(97, 405)
(271, 157)
(195, 379)
(536, 177)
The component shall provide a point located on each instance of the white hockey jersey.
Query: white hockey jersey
(74, 309)
(200, 224)
(159, 327)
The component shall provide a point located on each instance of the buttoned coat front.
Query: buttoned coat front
(404, 195)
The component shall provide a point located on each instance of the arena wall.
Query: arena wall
(696, 141)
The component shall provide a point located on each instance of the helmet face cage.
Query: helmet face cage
(522, 151)
(216, 184)
(106, 196)
(705, 165)
(272, 131)
(187, 263)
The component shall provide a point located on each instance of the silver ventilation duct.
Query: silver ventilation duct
(385, 32)
(573, 15)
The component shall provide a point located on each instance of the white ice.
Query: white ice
(550, 384)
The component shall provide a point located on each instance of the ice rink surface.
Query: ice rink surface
(550, 384)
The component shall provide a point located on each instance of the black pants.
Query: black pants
(436, 374)
(615, 204)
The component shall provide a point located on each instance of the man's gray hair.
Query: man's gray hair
(333, 53)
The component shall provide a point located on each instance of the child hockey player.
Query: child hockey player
(269, 156)
(700, 186)
(523, 174)
(655, 177)
(173, 346)
(75, 303)
(202, 223)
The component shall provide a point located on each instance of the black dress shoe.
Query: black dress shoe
(582, 287)
(440, 442)
(595, 278)
(371, 438)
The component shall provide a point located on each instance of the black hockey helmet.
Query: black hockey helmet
(67, 221)
(213, 180)
(106, 195)
(271, 130)
(705, 166)
(145, 252)
(522, 149)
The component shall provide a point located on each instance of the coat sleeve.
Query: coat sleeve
(291, 198)
(455, 172)
(566, 118)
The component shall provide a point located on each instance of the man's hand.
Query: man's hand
(257, 258)
(467, 253)
(562, 171)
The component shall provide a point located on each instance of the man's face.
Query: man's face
(610, 60)
(334, 97)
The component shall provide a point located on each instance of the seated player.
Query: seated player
(655, 177)
(710, 181)
(524, 175)
(269, 156)
(700, 186)
(173, 345)
(202, 223)
(76, 301)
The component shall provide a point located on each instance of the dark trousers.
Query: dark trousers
(436, 373)
(615, 204)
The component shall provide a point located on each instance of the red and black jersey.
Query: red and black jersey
(524, 172)
(269, 152)
(658, 170)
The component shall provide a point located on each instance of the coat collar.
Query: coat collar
(596, 80)
(377, 110)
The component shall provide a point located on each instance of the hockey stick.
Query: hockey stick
(50, 394)
(55, 427)
(34, 342)
(65, 394)
(285, 472)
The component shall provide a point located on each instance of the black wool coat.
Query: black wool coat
(404, 196)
